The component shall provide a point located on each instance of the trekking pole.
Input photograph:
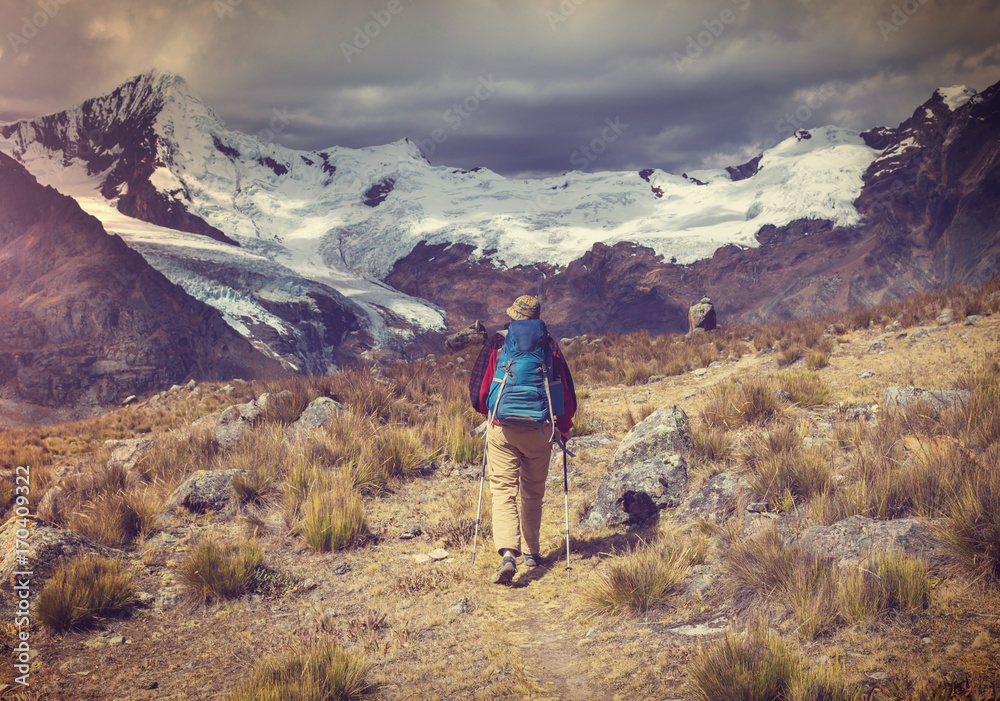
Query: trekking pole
(479, 509)
(562, 443)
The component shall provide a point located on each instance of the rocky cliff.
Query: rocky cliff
(85, 321)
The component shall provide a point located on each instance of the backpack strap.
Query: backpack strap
(506, 374)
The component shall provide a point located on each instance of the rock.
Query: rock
(235, 421)
(474, 335)
(127, 452)
(702, 316)
(919, 333)
(865, 374)
(52, 505)
(192, 384)
(439, 554)
(421, 558)
(318, 414)
(144, 599)
(461, 606)
(782, 396)
(264, 400)
(945, 317)
(836, 329)
(647, 473)
(757, 507)
(972, 319)
(48, 547)
(716, 626)
(716, 500)
(700, 372)
(853, 540)
(205, 490)
(130, 399)
(876, 346)
(168, 597)
(863, 411)
(939, 399)
(411, 533)
(342, 568)
(698, 580)
(116, 640)
(308, 585)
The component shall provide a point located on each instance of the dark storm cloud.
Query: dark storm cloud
(519, 86)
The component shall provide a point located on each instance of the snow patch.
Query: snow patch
(955, 96)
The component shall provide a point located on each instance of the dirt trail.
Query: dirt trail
(555, 659)
(547, 638)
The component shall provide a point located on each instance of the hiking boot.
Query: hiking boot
(506, 572)
(533, 560)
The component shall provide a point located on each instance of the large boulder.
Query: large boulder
(318, 414)
(48, 547)
(717, 499)
(205, 490)
(939, 399)
(647, 473)
(474, 335)
(702, 316)
(852, 541)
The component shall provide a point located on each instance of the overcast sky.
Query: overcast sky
(524, 87)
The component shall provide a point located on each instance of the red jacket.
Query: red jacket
(485, 368)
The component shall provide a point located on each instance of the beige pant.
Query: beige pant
(518, 460)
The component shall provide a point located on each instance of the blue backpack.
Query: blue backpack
(525, 389)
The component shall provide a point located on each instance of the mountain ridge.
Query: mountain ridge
(403, 250)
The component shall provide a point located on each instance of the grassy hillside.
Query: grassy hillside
(305, 571)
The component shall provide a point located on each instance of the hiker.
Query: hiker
(519, 402)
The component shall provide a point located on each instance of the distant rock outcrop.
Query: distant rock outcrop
(647, 473)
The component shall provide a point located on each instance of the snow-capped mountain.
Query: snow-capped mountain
(303, 251)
